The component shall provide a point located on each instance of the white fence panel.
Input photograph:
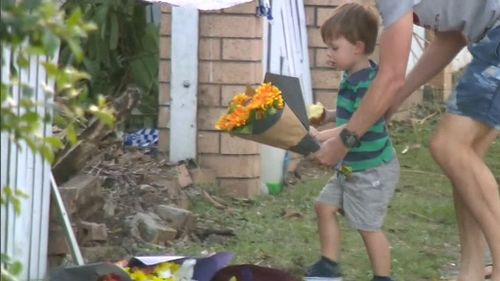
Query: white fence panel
(25, 237)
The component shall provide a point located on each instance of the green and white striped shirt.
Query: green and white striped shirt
(376, 147)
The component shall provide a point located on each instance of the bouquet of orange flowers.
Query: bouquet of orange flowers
(273, 114)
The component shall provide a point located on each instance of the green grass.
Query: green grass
(420, 222)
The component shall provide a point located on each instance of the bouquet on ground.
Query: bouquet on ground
(147, 268)
(274, 114)
(166, 271)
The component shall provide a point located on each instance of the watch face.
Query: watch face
(349, 139)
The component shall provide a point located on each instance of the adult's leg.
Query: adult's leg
(378, 249)
(459, 146)
(473, 245)
(329, 230)
(481, 148)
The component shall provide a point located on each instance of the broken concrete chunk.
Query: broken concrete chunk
(180, 219)
(91, 232)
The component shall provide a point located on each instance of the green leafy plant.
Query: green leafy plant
(36, 29)
(124, 52)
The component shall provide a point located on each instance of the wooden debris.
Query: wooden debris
(183, 177)
(292, 214)
(212, 200)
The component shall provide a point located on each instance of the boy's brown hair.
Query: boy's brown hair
(355, 22)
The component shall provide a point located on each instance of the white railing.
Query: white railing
(24, 237)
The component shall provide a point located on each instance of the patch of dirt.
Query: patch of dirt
(133, 181)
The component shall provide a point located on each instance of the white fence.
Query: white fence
(24, 237)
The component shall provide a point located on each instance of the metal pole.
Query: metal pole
(75, 250)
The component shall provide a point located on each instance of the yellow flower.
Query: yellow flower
(266, 97)
(138, 275)
(239, 99)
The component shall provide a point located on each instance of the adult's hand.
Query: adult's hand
(331, 152)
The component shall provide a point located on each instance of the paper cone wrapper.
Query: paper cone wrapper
(288, 128)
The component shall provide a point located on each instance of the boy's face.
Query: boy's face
(342, 54)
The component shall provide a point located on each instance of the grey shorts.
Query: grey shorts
(477, 94)
(364, 196)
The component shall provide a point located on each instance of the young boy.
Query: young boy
(364, 194)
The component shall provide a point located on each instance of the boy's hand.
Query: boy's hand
(313, 132)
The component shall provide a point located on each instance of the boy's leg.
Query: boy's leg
(477, 200)
(378, 249)
(366, 200)
(329, 230)
(327, 204)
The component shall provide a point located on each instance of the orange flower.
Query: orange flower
(239, 99)
(242, 107)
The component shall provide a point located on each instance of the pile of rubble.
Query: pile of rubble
(124, 202)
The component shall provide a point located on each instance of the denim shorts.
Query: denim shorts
(364, 196)
(477, 94)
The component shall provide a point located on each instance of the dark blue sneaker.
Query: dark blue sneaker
(323, 270)
(382, 278)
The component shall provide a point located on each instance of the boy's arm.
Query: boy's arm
(395, 42)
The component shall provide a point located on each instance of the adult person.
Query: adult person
(471, 122)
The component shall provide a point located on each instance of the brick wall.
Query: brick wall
(164, 78)
(230, 57)
(325, 80)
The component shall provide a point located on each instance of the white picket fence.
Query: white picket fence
(24, 237)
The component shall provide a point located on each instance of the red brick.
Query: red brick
(324, 2)
(211, 12)
(312, 56)
(310, 16)
(229, 91)
(165, 8)
(166, 24)
(325, 79)
(203, 177)
(165, 47)
(209, 95)
(164, 117)
(164, 94)
(321, 57)
(327, 98)
(323, 15)
(57, 242)
(164, 71)
(230, 72)
(234, 145)
(245, 8)
(240, 188)
(213, 25)
(208, 116)
(232, 166)
(208, 142)
(210, 49)
(242, 49)
(314, 37)
(164, 140)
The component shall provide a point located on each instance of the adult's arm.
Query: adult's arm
(436, 56)
(395, 42)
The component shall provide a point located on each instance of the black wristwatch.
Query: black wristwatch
(349, 138)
